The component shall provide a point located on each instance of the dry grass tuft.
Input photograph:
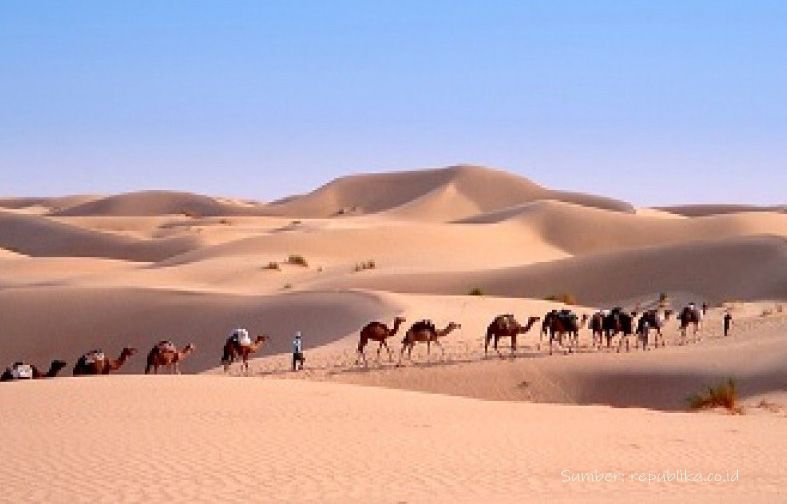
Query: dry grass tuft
(272, 266)
(565, 298)
(724, 395)
(370, 264)
(298, 260)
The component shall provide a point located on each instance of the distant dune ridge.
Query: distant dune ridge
(710, 209)
(146, 203)
(467, 189)
(39, 236)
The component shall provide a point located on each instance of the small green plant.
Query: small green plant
(298, 260)
(565, 298)
(475, 291)
(723, 395)
(272, 266)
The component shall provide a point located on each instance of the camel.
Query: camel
(377, 331)
(655, 320)
(425, 332)
(234, 350)
(96, 362)
(614, 322)
(560, 323)
(596, 325)
(687, 316)
(22, 371)
(506, 326)
(165, 354)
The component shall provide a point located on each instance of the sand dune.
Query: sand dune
(186, 439)
(580, 230)
(40, 236)
(158, 203)
(46, 204)
(747, 268)
(448, 193)
(43, 323)
(704, 210)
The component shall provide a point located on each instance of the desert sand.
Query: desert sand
(108, 271)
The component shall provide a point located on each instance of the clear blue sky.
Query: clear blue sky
(649, 101)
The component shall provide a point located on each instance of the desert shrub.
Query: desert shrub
(565, 298)
(298, 260)
(272, 266)
(287, 286)
(191, 214)
(370, 264)
(476, 291)
(767, 312)
(779, 308)
(724, 395)
(225, 222)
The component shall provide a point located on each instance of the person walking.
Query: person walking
(297, 352)
(727, 323)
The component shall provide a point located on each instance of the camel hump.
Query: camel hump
(424, 325)
(166, 346)
(92, 357)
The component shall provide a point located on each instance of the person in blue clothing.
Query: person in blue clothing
(297, 352)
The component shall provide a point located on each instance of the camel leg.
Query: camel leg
(513, 345)
(390, 354)
(442, 350)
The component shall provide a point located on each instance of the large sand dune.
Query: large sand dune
(737, 268)
(448, 193)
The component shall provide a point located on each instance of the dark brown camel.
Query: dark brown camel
(425, 332)
(22, 371)
(377, 331)
(234, 350)
(165, 354)
(689, 315)
(617, 321)
(506, 326)
(649, 321)
(563, 323)
(596, 325)
(96, 362)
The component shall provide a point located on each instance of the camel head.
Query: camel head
(400, 320)
(56, 366)
(585, 318)
(189, 348)
(452, 326)
(262, 338)
(128, 351)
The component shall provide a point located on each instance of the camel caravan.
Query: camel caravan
(561, 327)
